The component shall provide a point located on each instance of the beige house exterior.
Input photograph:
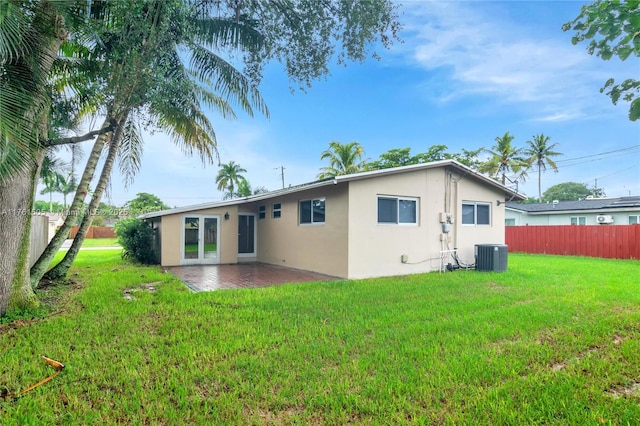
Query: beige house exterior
(396, 221)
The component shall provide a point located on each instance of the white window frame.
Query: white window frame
(510, 221)
(262, 212)
(577, 220)
(637, 219)
(275, 210)
(312, 222)
(397, 199)
(475, 205)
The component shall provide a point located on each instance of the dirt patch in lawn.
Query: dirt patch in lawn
(632, 389)
(128, 293)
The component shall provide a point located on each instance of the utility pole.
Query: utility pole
(281, 168)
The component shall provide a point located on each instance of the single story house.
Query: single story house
(590, 211)
(386, 222)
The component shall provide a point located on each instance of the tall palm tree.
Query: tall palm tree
(539, 152)
(344, 159)
(31, 34)
(504, 158)
(145, 77)
(229, 177)
(52, 176)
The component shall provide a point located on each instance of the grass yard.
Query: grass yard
(100, 242)
(554, 340)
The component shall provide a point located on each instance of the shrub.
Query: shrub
(136, 237)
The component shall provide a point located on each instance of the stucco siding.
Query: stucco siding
(172, 234)
(467, 190)
(316, 247)
(375, 249)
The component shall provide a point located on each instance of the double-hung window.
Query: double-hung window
(578, 220)
(476, 213)
(397, 210)
(312, 211)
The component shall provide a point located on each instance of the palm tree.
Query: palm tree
(344, 159)
(51, 174)
(229, 177)
(539, 152)
(145, 78)
(504, 159)
(31, 34)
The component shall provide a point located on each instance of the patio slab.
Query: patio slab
(242, 275)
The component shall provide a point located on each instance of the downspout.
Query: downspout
(454, 210)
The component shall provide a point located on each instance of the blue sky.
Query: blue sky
(465, 73)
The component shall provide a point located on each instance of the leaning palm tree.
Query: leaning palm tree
(344, 159)
(539, 152)
(229, 177)
(146, 80)
(504, 158)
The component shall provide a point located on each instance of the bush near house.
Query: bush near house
(136, 238)
(553, 340)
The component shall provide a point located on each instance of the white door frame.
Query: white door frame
(200, 259)
(255, 235)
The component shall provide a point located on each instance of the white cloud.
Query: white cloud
(490, 55)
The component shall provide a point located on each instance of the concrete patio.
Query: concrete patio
(242, 275)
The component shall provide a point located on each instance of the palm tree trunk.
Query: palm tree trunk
(17, 192)
(539, 184)
(61, 269)
(41, 265)
(15, 227)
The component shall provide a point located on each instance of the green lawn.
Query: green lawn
(100, 242)
(554, 340)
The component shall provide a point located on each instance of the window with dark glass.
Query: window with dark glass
(397, 210)
(476, 214)
(312, 211)
(262, 212)
(277, 211)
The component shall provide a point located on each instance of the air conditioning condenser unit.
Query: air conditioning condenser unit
(491, 257)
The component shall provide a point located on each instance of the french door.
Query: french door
(246, 235)
(200, 239)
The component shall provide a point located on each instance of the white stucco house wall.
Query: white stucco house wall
(380, 223)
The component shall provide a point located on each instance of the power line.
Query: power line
(594, 159)
(602, 153)
(619, 171)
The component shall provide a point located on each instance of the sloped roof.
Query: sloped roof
(461, 168)
(604, 204)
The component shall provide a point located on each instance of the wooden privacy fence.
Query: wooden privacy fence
(95, 232)
(39, 237)
(608, 241)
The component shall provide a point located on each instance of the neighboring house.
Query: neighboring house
(379, 223)
(56, 220)
(602, 211)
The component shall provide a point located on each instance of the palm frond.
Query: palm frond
(13, 24)
(228, 81)
(221, 33)
(130, 150)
